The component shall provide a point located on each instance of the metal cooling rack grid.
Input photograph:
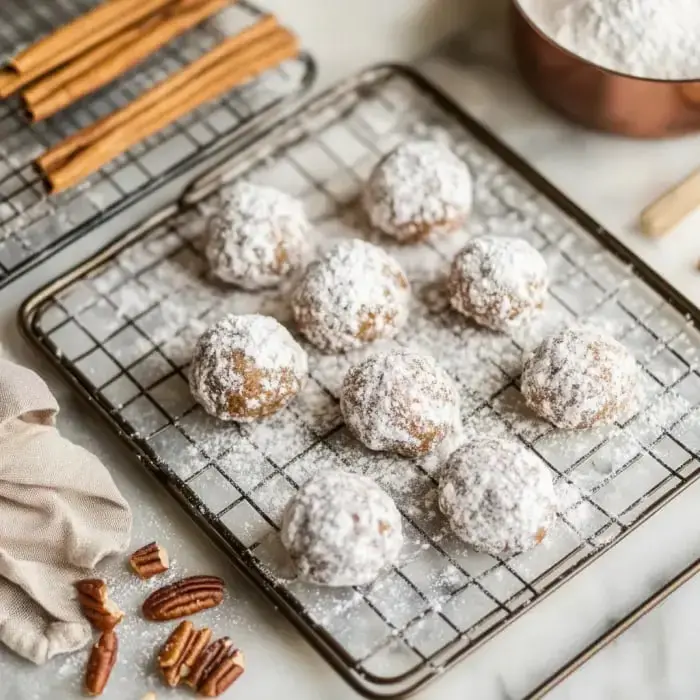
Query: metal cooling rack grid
(118, 331)
(33, 226)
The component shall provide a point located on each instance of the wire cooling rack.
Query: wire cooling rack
(122, 326)
(32, 225)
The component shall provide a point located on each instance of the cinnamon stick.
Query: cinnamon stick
(106, 62)
(55, 157)
(74, 39)
(84, 32)
(230, 72)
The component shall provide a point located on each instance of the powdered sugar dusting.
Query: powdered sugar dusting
(420, 188)
(497, 495)
(644, 38)
(402, 402)
(341, 529)
(579, 378)
(355, 294)
(605, 477)
(258, 238)
(265, 348)
(500, 282)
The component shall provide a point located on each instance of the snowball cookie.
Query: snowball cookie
(355, 294)
(246, 367)
(418, 189)
(499, 282)
(580, 378)
(258, 238)
(400, 402)
(497, 495)
(341, 529)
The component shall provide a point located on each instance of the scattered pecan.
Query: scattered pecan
(198, 644)
(217, 669)
(149, 561)
(100, 664)
(186, 597)
(94, 600)
(224, 675)
(176, 645)
(181, 651)
(207, 662)
(209, 670)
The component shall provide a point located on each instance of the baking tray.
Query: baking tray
(121, 327)
(33, 225)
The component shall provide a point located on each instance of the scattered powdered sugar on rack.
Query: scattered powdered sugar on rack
(644, 38)
(441, 592)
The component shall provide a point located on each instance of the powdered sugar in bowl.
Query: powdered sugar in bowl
(574, 55)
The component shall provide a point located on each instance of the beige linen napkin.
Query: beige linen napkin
(60, 514)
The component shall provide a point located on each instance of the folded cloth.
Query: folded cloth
(60, 514)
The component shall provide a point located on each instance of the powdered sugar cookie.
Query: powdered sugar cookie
(499, 282)
(341, 529)
(246, 367)
(497, 495)
(259, 238)
(580, 378)
(418, 189)
(400, 402)
(357, 293)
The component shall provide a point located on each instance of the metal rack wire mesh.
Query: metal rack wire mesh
(32, 225)
(122, 326)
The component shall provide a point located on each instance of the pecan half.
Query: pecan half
(198, 644)
(176, 645)
(100, 664)
(186, 597)
(224, 675)
(208, 662)
(181, 651)
(94, 601)
(216, 670)
(149, 561)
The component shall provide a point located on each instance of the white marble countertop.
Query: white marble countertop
(611, 179)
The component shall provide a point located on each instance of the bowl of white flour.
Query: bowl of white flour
(626, 66)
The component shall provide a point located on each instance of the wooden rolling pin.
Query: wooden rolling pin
(672, 207)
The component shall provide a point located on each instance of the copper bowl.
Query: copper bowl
(599, 98)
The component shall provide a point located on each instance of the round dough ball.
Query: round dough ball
(246, 367)
(341, 529)
(259, 238)
(355, 294)
(580, 378)
(499, 282)
(400, 402)
(497, 496)
(419, 189)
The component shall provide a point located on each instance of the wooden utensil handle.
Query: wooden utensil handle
(673, 206)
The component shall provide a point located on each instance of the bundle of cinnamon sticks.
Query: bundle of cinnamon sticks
(233, 62)
(96, 48)
(99, 46)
